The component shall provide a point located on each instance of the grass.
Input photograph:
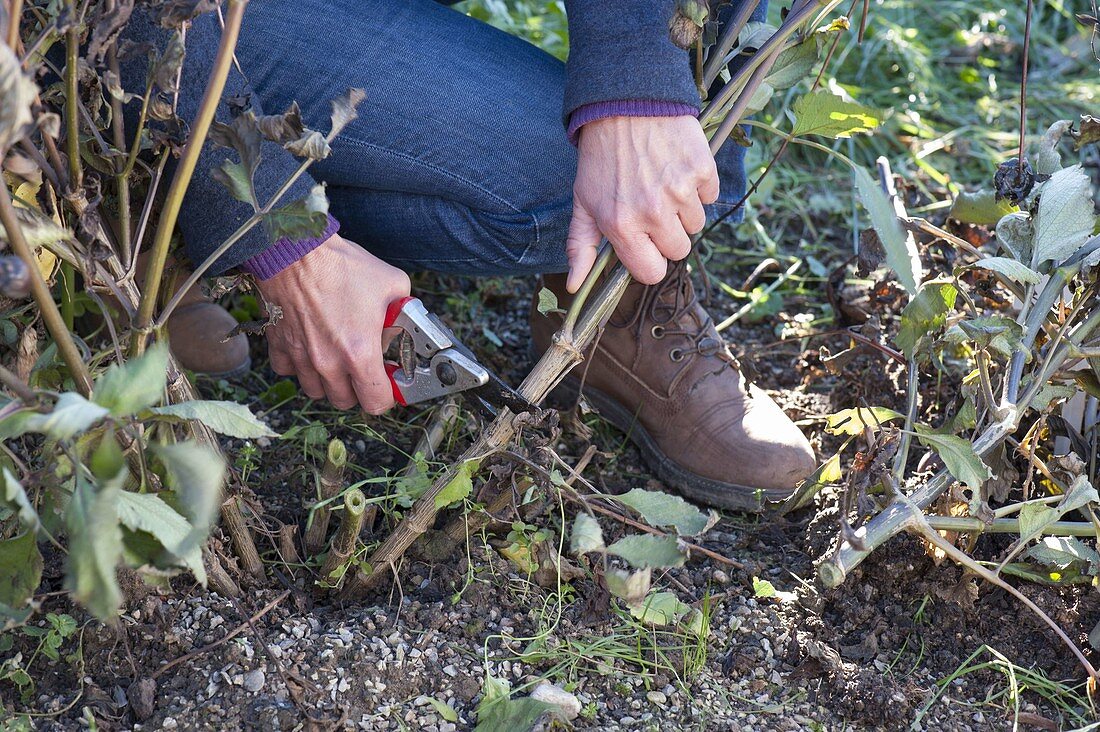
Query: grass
(1068, 699)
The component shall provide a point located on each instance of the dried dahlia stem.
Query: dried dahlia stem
(217, 578)
(233, 520)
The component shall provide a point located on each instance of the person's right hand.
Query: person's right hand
(330, 336)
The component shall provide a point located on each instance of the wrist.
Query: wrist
(286, 252)
(625, 108)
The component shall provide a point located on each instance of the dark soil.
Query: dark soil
(868, 655)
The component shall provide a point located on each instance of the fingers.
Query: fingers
(708, 185)
(372, 385)
(693, 217)
(580, 246)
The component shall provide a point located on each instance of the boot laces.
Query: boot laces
(669, 308)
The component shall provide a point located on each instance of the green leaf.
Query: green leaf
(1015, 233)
(237, 179)
(225, 418)
(980, 207)
(660, 608)
(958, 455)
(1065, 218)
(459, 487)
(1064, 551)
(664, 509)
(1010, 268)
(71, 415)
(630, 587)
(587, 536)
(442, 709)
(149, 513)
(994, 332)
(14, 495)
(1034, 519)
(854, 421)
(901, 250)
(134, 386)
(515, 715)
(794, 64)
(825, 113)
(548, 302)
(925, 314)
(1080, 494)
(762, 589)
(20, 569)
(196, 474)
(826, 474)
(645, 551)
(95, 547)
(303, 219)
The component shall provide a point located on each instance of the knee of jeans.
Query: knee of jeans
(525, 242)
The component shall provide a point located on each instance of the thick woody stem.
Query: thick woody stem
(217, 578)
(330, 482)
(347, 536)
(233, 521)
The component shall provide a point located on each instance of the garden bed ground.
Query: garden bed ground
(868, 655)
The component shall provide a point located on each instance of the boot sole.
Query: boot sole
(708, 491)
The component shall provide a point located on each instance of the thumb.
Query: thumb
(580, 247)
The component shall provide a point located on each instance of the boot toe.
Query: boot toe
(784, 457)
(196, 334)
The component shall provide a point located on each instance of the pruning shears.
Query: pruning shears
(434, 364)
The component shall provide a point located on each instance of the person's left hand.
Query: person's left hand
(642, 183)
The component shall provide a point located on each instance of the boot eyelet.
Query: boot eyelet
(676, 354)
(657, 331)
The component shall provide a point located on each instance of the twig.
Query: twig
(216, 576)
(221, 641)
(18, 386)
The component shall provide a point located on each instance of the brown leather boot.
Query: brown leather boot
(196, 335)
(661, 373)
(197, 329)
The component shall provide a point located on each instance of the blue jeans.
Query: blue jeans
(458, 161)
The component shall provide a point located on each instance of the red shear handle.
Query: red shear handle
(391, 369)
(395, 309)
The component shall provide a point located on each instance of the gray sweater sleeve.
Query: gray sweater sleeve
(622, 50)
(210, 214)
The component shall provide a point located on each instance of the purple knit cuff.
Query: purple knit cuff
(286, 252)
(625, 108)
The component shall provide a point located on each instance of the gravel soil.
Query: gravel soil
(868, 655)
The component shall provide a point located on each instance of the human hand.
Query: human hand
(642, 183)
(331, 334)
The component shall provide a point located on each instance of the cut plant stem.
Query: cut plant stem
(185, 169)
(330, 482)
(238, 531)
(347, 536)
(72, 99)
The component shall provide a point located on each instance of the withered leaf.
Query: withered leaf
(282, 128)
(302, 219)
(18, 92)
(243, 135)
(167, 66)
(871, 252)
(174, 13)
(312, 145)
(343, 109)
(1088, 133)
(108, 24)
